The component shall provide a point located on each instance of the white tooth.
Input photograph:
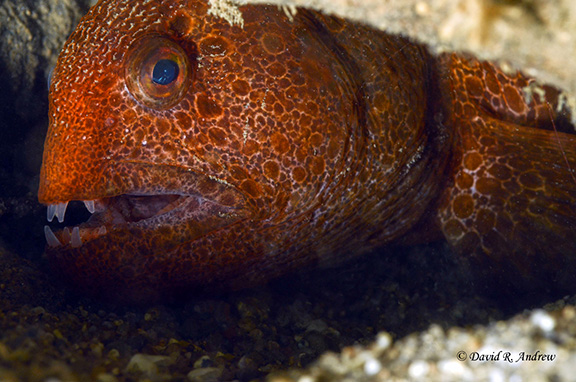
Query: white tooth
(66, 235)
(90, 206)
(51, 239)
(51, 212)
(61, 211)
(101, 230)
(76, 240)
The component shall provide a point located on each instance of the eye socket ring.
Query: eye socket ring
(158, 72)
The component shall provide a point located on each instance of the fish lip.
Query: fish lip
(121, 176)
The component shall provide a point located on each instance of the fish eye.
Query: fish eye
(158, 72)
(165, 72)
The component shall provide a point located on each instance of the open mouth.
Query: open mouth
(122, 211)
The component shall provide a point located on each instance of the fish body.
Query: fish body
(225, 155)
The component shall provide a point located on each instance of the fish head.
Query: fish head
(199, 145)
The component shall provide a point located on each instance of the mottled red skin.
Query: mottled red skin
(316, 140)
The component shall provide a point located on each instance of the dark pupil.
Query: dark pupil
(165, 72)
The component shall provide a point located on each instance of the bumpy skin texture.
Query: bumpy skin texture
(290, 142)
(511, 208)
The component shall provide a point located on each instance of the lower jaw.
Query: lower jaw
(137, 265)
